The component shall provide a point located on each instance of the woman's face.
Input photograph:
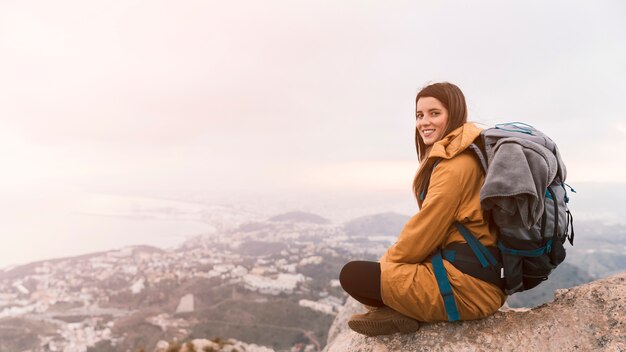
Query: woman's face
(431, 119)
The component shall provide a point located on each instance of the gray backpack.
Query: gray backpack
(525, 193)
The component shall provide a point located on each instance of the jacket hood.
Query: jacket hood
(454, 142)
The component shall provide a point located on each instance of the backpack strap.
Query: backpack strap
(444, 287)
(461, 256)
(440, 271)
(478, 148)
(487, 260)
(485, 257)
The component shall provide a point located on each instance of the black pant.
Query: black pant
(361, 280)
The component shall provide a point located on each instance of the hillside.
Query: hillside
(272, 283)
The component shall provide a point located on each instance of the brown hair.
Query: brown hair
(453, 100)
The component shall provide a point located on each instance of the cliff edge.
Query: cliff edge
(590, 317)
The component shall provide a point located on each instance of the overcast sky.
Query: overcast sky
(163, 98)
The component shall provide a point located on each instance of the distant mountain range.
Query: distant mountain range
(271, 282)
(385, 224)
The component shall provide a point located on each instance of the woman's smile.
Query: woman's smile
(431, 119)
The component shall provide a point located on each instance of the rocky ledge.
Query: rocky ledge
(590, 317)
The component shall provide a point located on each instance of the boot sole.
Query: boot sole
(384, 327)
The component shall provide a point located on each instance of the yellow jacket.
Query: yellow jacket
(408, 283)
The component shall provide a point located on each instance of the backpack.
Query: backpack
(532, 219)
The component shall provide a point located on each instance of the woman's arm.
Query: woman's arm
(428, 229)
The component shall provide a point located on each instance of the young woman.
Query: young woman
(402, 289)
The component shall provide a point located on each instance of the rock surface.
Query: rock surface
(202, 345)
(591, 317)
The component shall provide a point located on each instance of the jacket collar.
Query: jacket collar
(455, 142)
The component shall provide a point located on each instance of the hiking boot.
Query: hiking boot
(382, 321)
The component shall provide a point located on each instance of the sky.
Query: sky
(201, 99)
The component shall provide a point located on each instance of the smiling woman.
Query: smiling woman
(431, 119)
(402, 289)
(439, 108)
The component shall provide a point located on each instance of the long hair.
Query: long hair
(453, 100)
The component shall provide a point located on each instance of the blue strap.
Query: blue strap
(449, 255)
(549, 246)
(444, 287)
(570, 187)
(526, 253)
(482, 253)
(516, 127)
(423, 194)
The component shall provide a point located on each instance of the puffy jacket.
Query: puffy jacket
(408, 283)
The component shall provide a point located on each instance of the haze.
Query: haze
(313, 102)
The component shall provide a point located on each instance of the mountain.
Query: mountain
(384, 224)
(599, 249)
(584, 318)
(301, 217)
(564, 276)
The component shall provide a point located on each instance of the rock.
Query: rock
(201, 345)
(590, 317)
(161, 346)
